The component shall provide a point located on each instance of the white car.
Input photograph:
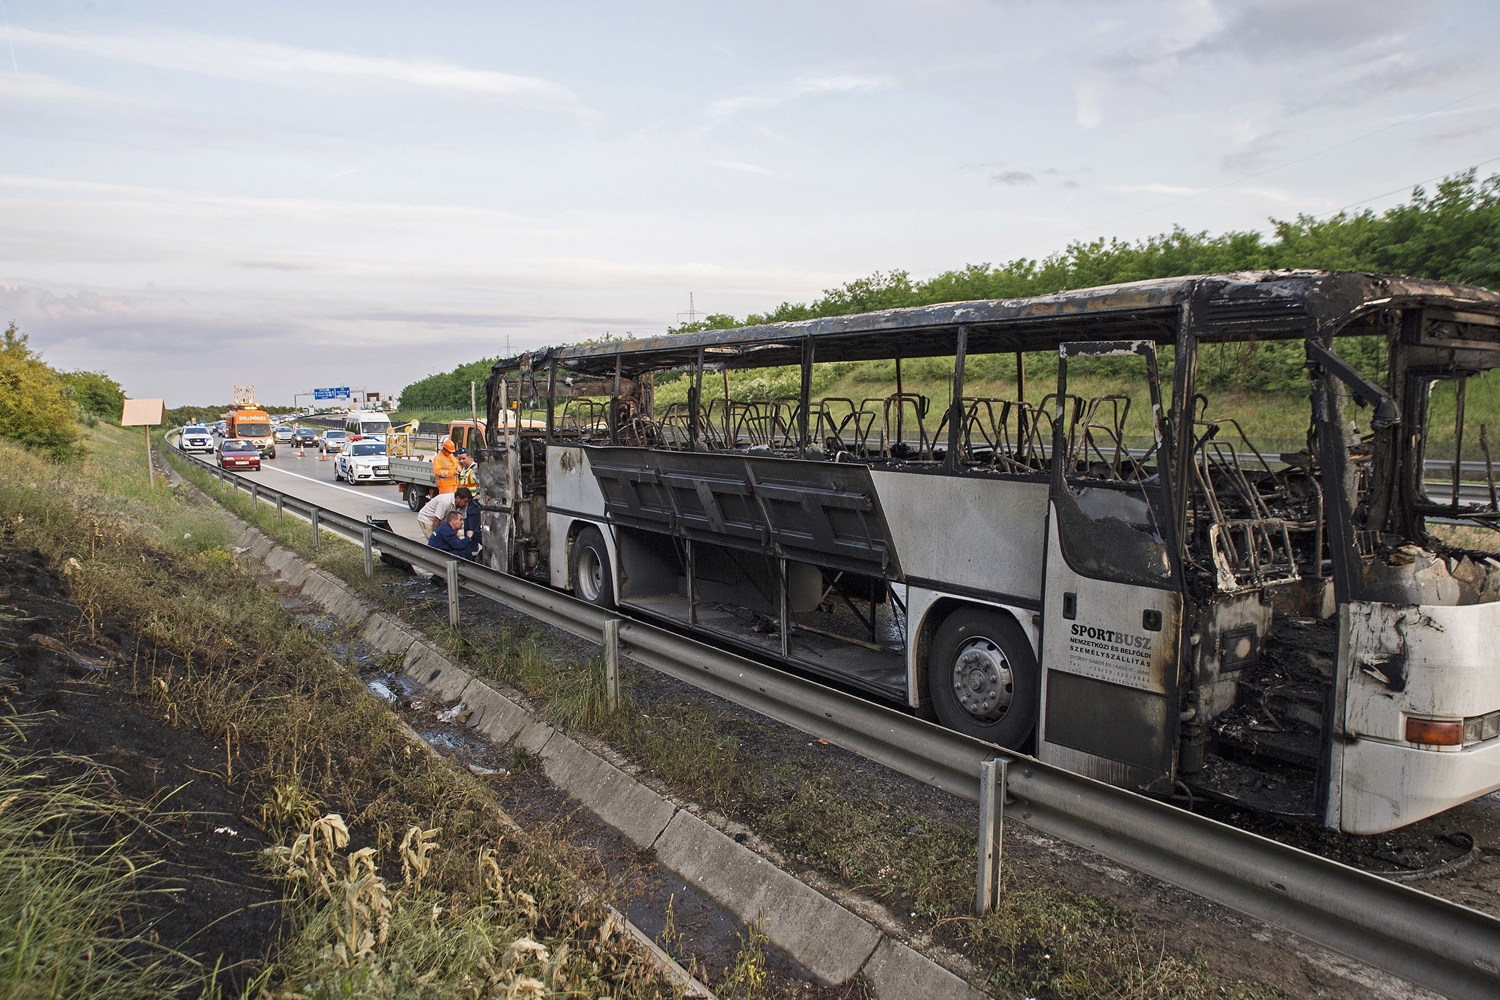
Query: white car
(332, 441)
(196, 438)
(363, 462)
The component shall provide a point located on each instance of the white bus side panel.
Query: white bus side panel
(572, 494)
(984, 535)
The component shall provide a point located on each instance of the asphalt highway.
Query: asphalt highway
(312, 479)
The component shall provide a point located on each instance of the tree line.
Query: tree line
(1451, 233)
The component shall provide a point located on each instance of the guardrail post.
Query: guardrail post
(278, 508)
(612, 664)
(255, 503)
(368, 534)
(452, 571)
(992, 776)
(315, 512)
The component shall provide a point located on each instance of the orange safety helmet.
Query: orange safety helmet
(449, 446)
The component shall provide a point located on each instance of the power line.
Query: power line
(1402, 189)
(1271, 169)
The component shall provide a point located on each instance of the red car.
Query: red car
(235, 454)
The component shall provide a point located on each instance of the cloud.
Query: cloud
(731, 106)
(841, 84)
(1013, 177)
(341, 173)
(744, 168)
(1293, 28)
(1086, 99)
(845, 83)
(288, 66)
(37, 87)
(1176, 189)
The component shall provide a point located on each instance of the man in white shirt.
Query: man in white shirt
(435, 511)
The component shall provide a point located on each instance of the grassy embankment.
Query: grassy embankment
(401, 877)
(1044, 939)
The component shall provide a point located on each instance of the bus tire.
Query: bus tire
(592, 579)
(983, 678)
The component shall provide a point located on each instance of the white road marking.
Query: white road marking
(333, 486)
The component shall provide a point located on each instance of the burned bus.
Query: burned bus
(1072, 550)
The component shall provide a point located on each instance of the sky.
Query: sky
(199, 195)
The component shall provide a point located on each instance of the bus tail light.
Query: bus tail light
(1433, 732)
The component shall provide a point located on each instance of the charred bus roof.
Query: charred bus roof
(1245, 305)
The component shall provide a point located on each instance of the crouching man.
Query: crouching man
(435, 511)
(450, 536)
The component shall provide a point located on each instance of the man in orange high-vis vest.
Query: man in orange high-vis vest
(445, 467)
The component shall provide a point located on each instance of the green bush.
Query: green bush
(96, 394)
(36, 405)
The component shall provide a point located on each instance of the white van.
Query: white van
(367, 424)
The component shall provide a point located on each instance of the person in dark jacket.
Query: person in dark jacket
(451, 536)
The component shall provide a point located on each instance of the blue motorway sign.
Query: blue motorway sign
(338, 392)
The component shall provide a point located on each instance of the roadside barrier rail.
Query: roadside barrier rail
(1435, 943)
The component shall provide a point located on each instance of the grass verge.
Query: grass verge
(404, 879)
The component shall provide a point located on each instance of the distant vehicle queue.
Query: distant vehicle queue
(443, 491)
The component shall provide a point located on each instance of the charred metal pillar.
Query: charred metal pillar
(805, 400)
(695, 402)
(551, 397)
(956, 408)
(899, 406)
(1458, 436)
(1333, 469)
(614, 407)
(1178, 439)
(1021, 425)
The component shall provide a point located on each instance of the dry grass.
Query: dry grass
(72, 868)
(305, 740)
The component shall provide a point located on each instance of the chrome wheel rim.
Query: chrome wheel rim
(983, 682)
(590, 574)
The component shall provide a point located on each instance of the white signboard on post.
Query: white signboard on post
(146, 413)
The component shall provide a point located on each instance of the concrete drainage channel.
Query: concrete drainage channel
(830, 942)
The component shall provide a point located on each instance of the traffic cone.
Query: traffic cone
(322, 456)
(301, 452)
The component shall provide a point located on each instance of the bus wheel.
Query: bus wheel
(592, 580)
(414, 498)
(983, 678)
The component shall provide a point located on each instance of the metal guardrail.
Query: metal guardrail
(1438, 944)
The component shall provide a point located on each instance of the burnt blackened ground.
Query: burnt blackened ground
(70, 685)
